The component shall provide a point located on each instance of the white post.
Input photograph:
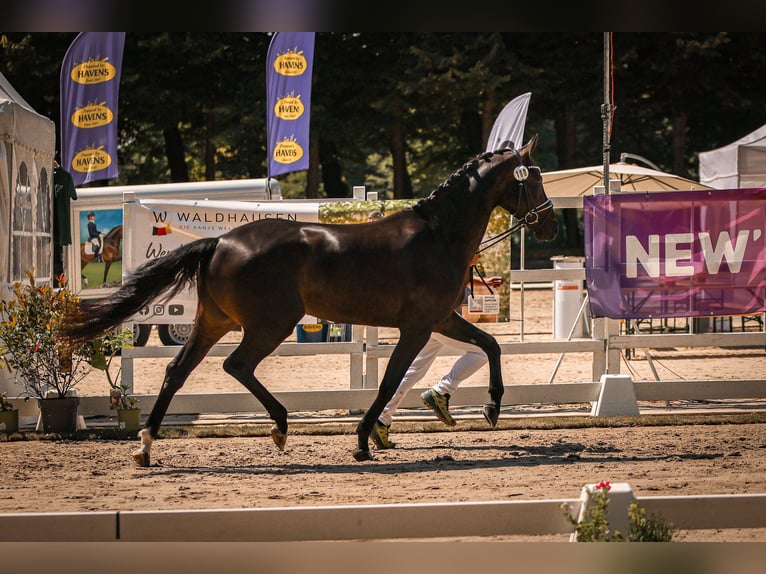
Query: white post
(620, 497)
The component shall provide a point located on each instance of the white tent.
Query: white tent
(27, 149)
(739, 165)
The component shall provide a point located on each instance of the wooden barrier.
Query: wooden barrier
(366, 522)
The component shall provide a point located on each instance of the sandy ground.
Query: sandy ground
(430, 463)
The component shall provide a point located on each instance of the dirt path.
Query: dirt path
(468, 463)
(449, 465)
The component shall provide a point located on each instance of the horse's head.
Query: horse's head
(528, 201)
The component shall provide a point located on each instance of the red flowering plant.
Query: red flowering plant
(594, 525)
(29, 343)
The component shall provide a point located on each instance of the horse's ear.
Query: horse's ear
(529, 147)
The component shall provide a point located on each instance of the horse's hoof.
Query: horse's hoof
(278, 437)
(491, 414)
(362, 455)
(141, 458)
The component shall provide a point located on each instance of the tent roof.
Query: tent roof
(580, 181)
(21, 123)
(8, 93)
(722, 167)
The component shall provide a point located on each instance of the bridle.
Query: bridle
(531, 217)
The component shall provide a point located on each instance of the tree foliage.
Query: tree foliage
(398, 112)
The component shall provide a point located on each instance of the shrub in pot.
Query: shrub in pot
(45, 365)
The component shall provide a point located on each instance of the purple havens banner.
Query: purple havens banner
(288, 101)
(508, 129)
(90, 87)
(676, 254)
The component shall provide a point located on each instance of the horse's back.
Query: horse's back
(376, 274)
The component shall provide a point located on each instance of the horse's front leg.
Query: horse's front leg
(458, 328)
(491, 411)
(408, 347)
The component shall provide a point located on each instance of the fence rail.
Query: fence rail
(366, 522)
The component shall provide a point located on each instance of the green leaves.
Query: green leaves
(29, 342)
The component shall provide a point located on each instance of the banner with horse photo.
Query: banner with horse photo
(676, 254)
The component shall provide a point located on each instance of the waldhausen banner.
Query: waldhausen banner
(156, 227)
(288, 101)
(90, 86)
(676, 254)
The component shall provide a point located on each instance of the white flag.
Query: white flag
(508, 130)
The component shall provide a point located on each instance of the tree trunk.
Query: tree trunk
(332, 174)
(488, 115)
(566, 137)
(209, 146)
(402, 181)
(679, 143)
(312, 175)
(174, 150)
(566, 144)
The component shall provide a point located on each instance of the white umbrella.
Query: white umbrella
(580, 181)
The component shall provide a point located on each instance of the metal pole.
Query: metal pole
(606, 109)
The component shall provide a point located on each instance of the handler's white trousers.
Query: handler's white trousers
(471, 361)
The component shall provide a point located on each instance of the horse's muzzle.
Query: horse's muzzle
(548, 227)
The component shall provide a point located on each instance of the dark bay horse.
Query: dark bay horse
(406, 271)
(110, 251)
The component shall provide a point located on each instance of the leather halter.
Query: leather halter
(531, 217)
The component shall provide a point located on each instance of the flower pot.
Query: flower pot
(129, 419)
(59, 415)
(9, 421)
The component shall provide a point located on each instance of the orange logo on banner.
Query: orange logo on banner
(93, 72)
(91, 159)
(92, 116)
(288, 151)
(290, 64)
(289, 108)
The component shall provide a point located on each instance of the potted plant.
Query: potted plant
(45, 366)
(102, 352)
(9, 415)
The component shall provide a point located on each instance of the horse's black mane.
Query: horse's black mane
(457, 183)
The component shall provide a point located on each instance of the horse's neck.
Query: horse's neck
(462, 220)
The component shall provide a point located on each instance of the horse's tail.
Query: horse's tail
(168, 274)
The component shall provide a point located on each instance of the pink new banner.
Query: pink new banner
(676, 254)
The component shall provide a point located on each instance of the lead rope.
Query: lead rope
(476, 269)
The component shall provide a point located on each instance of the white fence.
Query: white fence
(608, 392)
(366, 354)
(366, 522)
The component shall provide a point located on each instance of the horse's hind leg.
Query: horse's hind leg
(204, 335)
(241, 364)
